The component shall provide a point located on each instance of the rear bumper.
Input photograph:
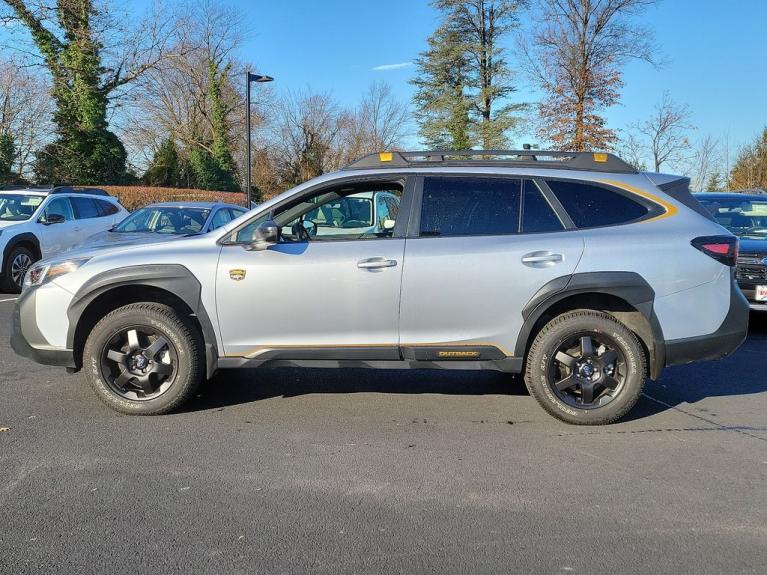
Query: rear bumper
(27, 341)
(724, 341)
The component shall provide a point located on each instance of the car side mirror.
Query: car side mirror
(266, 234)
(53, 219)
(388, 225)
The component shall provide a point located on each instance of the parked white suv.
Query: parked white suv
(39, 223)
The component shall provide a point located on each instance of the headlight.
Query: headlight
(43, 272)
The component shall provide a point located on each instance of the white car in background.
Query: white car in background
(37, 223)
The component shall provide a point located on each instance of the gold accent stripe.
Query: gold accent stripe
(670, 209)
(253, 353)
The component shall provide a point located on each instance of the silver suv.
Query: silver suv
(570, 267)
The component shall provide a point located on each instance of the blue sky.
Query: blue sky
(716, 52)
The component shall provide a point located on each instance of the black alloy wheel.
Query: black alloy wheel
(139, 363)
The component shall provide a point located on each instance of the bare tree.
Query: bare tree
(174, 98)
(632, 151)
(25, 113)
(308, 137)
(706, 164)
(667, 132)
(578, 50)
(380, 122)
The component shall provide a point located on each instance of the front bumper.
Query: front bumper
(724, 341)
(26, 339)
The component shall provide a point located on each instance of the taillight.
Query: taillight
(722, 248)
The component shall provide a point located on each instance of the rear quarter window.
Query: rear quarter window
(591, 206)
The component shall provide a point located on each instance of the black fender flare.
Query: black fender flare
(628, 286)
(16, 240)
(173, 278)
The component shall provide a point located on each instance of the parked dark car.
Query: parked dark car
(745, 215)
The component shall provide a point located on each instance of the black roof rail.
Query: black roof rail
(73, 190)
(591, 161)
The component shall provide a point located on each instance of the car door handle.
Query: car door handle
(542, 259)
(376, 264)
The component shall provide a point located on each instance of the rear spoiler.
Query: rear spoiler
(678, 188)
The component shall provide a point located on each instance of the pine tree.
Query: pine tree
(714, 183)
(750, 169)
(464, 81)
(7, 158)
(442, 108)
(165, 169)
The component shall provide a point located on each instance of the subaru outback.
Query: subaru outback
(571, 268)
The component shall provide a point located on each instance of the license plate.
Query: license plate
(761, 293)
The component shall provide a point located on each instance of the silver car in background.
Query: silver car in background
(164, 221)
(571, 268)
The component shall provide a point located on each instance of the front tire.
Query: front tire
(15, 268)
(144, 359)
(585, 367)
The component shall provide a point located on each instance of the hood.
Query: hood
(6, 224)
(751, 246)
(148, 244)
(108, 239)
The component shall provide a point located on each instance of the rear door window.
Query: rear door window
(591, 206)
(86, 208)
(470, 206)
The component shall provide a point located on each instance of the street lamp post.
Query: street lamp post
(259, 78)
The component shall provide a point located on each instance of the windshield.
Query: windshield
(744, 218)
(164, 220)
(18, 207)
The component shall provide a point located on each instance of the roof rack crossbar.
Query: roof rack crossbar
(591, 161)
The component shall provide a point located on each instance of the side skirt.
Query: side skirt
(508, 365)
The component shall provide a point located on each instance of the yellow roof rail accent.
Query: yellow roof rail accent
(600, 157)
(386, 156)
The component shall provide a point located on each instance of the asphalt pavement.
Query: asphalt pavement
(321, 471)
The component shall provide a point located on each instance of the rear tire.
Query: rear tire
(144, 359)
(15, 267)
(586, 368)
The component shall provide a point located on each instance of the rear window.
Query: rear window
(591, 206)
(470, 206)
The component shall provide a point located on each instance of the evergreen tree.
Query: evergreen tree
(66, 34)
(442, 107)
(464, 81)
(714, 183)
(165, 169)
(750, 169)
(221, 150)
(7, 158)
